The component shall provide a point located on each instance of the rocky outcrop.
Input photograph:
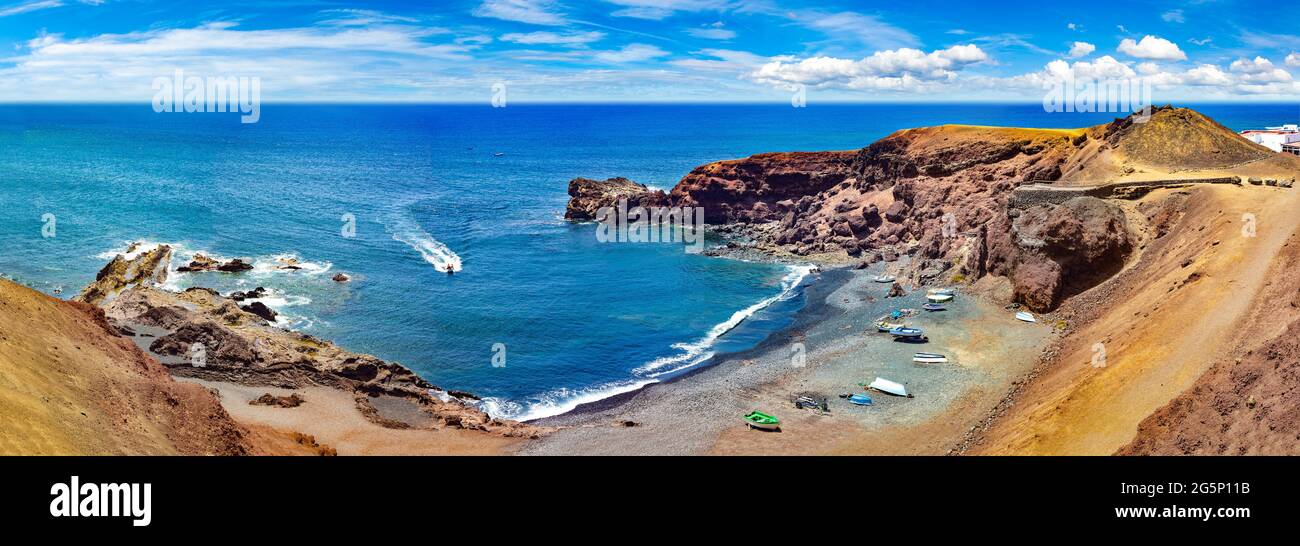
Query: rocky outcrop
(203, 263)
(1050, 252)
(208, 336)
(761, 188)
(145, 268)
(587, 196)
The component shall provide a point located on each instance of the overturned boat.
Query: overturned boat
(929, 358)
(1026, 316)
(938, 298)
(860, 400)
(889, 387)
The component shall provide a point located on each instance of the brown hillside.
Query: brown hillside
(69, 385)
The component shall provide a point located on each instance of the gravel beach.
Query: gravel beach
(700, 413)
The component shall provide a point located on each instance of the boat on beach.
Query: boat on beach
(941, 292)
(1026, 316)
(860, 400)
(905, 332)
(938, 298)
(889, 387)
(929, 358)
(885, 326)
(883, 278)
(934, 307)
(762, 421)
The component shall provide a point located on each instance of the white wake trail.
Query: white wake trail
(404, 229)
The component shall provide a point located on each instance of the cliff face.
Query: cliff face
(71, 385)
(942, 195)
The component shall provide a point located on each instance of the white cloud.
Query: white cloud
(1173, 16)
(631, 53)
(868, 30)
(29, 6)
(1152, 47)
(898, 69)
(712, 33)
(543, 37)
(537, 12)
(663, 9)
(1259, 71)
(1081, 49)
(1206, 75)
(1200, 42)
(1293, 59)
(1073, 26)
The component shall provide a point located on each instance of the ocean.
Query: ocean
(540, 316)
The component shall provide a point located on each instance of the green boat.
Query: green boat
(760, 420)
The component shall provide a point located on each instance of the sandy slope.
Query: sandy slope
(1189, 300)
(70, 386)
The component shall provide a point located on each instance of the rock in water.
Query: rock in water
(587, 196)
(260, 309)
(341, 278)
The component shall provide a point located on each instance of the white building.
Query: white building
(1274, 138)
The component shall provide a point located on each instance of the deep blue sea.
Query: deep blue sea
(578, 319)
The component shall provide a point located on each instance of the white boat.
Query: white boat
(941, 291)
(929, 358)
(1026, 316)
(883, 278)
(938, 298)
(889, 387)
(885, 326)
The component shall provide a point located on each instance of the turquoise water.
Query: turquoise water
(578, 319)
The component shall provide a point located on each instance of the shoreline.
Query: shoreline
(699, 412)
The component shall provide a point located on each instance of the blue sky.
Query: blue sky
(647, 50)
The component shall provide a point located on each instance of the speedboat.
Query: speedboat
(929, 358)
(884, 278)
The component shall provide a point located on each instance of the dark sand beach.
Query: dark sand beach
(700, 413)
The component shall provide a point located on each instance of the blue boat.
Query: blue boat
(906, 332)
(860, 400)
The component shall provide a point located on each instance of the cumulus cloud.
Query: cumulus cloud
(1293, 59)
(1206, 75)
(1152, 47)
(537, 12)
(1081, 49)
(898, 69)
(1258, 71)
